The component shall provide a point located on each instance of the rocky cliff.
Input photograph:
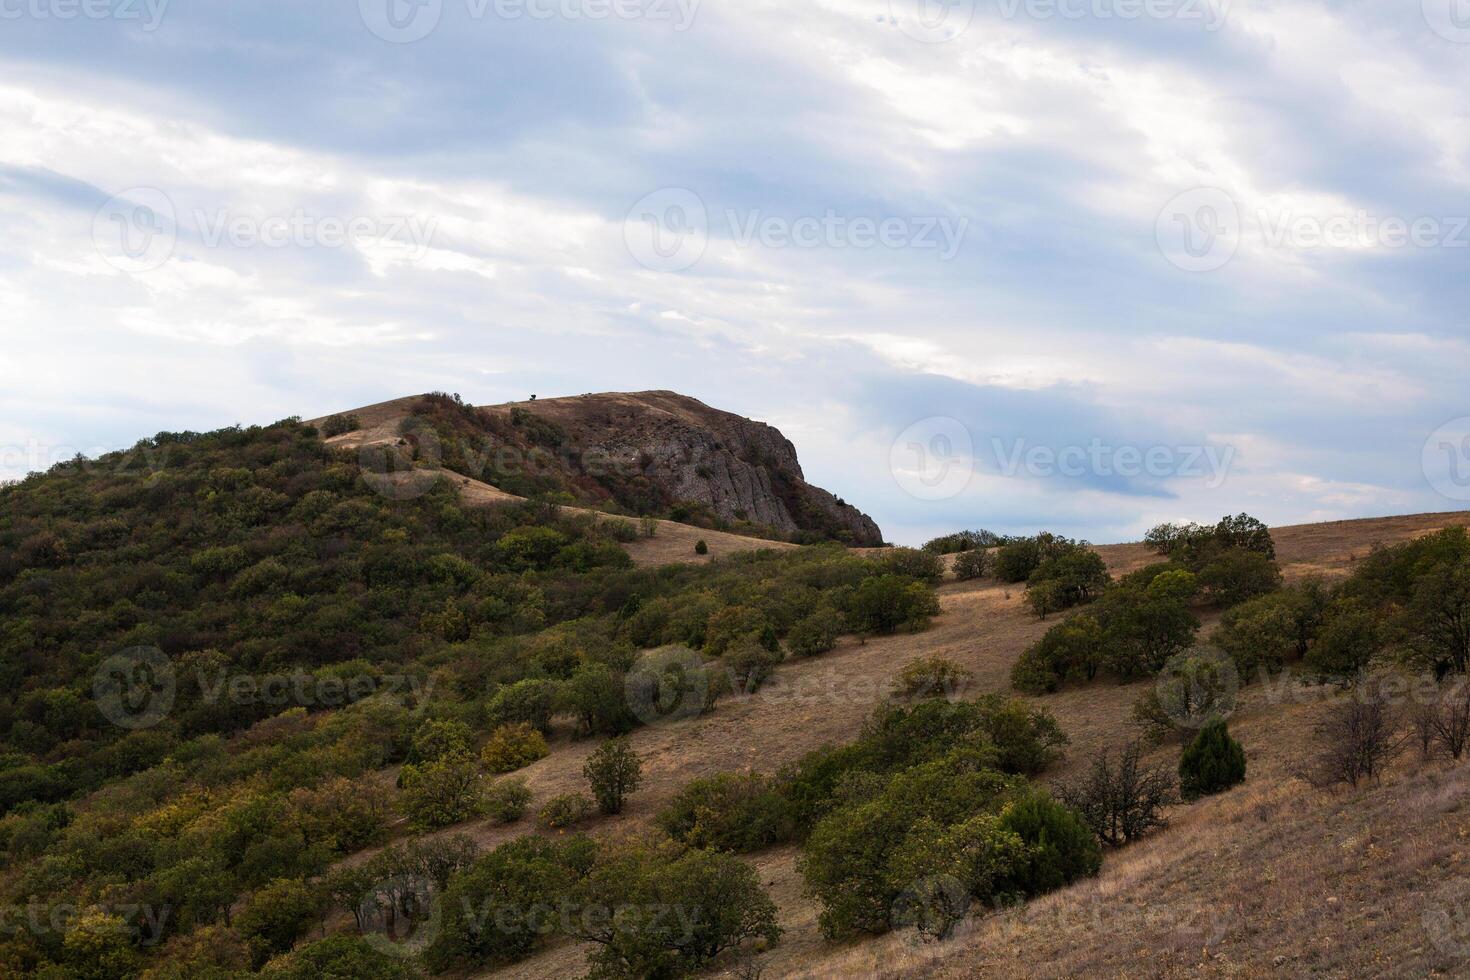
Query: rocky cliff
(690, 453)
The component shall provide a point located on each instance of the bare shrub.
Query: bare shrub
(1355, 741)
(1452, 722)
(1121, 802)
(1423, 722)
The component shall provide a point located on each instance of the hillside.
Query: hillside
(1274, 876)
(249, 672)
(653, 452)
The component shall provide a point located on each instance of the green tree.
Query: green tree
(614, 772)
(1353, 633)
(1236, 574)
(501, 908)
(275, 916)
(814, 633)
(443, 792)
(1211, 763)
(1060, 847)
(339, 958)
(645, 881)
(731, 811)
(595, 695)
(890, 602)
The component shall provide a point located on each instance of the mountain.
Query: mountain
(649, 452)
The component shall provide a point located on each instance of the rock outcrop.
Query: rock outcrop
(739, 468)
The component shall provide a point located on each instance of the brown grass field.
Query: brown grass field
(1274, 878)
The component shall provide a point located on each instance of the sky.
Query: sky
(1077, 265)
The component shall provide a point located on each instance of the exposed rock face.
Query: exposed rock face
(741, 469)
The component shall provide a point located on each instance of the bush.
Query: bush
(1355, 741)
(814, 633)
(529, 701)
(962, 541)
(644, 884)
(862, 856)
(564, 811)
(1212, 763)
(437, 738)
(513, 747)
(1122, 801)
(1452, 720)
(338, 425)
(1019, 557)
(1194, 546)
(489, 910)
(938, 871)
(889, 602)
(1060, 847)
(1026, 740)
(276, 916)
(733, 811)
(749, 664)
(507, 799)
(933, 677)
(338, 957)
(1193, 690)
(1353, 633)
(596, 695)
(1263, 633)
(1074, 576)
(971, 564)
(614, 772)
(913, 563)
(1236, 574)
(700, 548)
(443, 792)
(1071, 649)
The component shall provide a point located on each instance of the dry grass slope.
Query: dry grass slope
(1272, 878)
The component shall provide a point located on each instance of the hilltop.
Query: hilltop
(649, 453)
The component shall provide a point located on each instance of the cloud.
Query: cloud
(495, 161)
